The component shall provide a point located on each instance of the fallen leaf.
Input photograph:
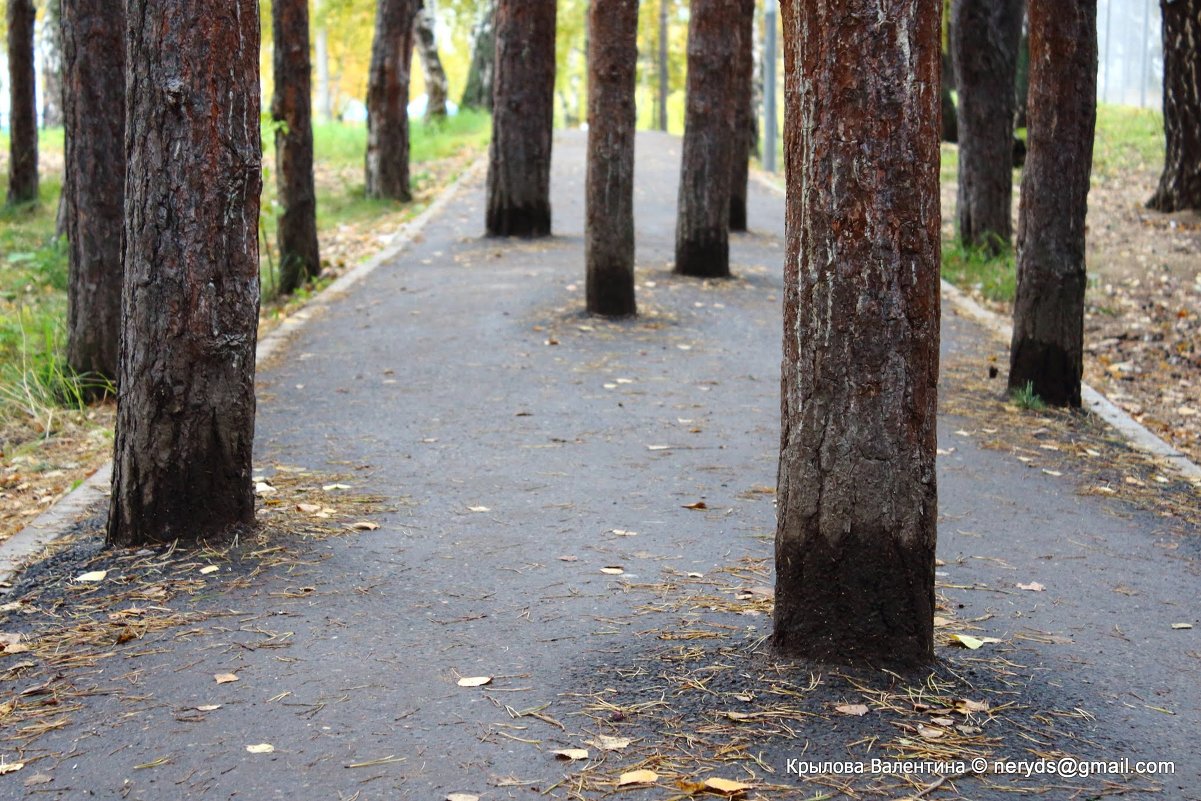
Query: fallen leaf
(308, 508)
(606, 743)
(966, 706)
(204, 571)
(263, 488)
(363, 525)
(658, 447)
(462, 797)
(261, 748)
(94, 576)
(967, 641)
(208, 708)
(478, 509)
(696, 575)
(929, 732)
(858, 710)
(333, 487)
(697, 505)
(10, 767)
(11, 644)
(475, 681)
(1180, 626)
(939, 622)
(621, 532)
(737, 715)
(569, 558)
(613, 570)
(38, 778)
(571, 754)
(1033, 586)
(637, 777)
(225, 678)
(726, 786)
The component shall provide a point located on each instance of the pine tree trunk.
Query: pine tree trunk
(857, 493)
(1048, 313)
(478, 91)
(522, 119)
(93, 61)
(609, 236)
(185, 412)
(291, 108)
(388, 100)
(985, 51)
(436, 85)
(52, 65)
(744, 114)
(1180, 184)
(703, 224)
(23, 114)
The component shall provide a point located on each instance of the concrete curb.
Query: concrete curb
(53, 523)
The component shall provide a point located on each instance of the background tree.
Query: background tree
(857, 499)
(1047, 352)
(662, 68)
(388, 100)
(52, 66)
(23, 114)
(478, 91)
(436, 85)
(702, 227)
(984, 48)
(185, 412)
(609, 236)
(1180, 184)
(522, 119)
(93, 64)
(744, 114)
(325, 96)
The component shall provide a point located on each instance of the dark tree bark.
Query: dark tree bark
(609, 236)
(185, 411)
(93, 60)
(23, 113)
(1180, 184)
(522, 119)
(52, 66)
(857, 498)
(436, 85)
(703, 222)
(985, 50)
(478, 90)
(744, 114)
(388, 100)
(292, 110)
(1048, 313)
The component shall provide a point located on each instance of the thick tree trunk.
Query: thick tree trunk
(93, 59)
(703, 222)
(478, 91)
(609, 235)
(52, 65)
(185, 411)
(1048, 314)
(291, 108)
(985, 51)
(664, 75)
(522, 119)
(744, 114)
(23, 113)
(857, 498)
(1180, 183)
(436, 85)
(388, 101)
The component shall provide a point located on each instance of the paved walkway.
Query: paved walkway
(507, 432)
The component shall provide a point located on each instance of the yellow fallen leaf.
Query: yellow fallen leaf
(204, 571)
(726, 786)
(606, 743)
(856, 710)
(939, 622)
(637, 777)
(475, 681)
(363, 525)
(571, 754)
(10, 767)
(697, 505)
(1177, 626)
(95, 575)
(967, 641)
(208, 708)
(261, 748)
(225, 678)
(613, 570)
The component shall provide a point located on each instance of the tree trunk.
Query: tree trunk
(1048, 314)
(1180, 184)
(291, 108)
(522, 119)
(609, 236)
(185, 412)
(436, 85)
(663, 68)
(93, 61)
(52, 66)
(744, 114)
(478, 91)
(23, 114)
(703, 222)
(388, 100)
(857, 512)
(984, 50)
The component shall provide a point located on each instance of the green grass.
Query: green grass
(1026, 398)
(993, 277)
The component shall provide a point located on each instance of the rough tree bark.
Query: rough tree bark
(984, 49)
(93, 63)
(23, 113)
(52, 65)
(1180, 184)
(744, 114)
(292, 111)
(436, 84)
(388, 100)
(857, 498)
(703, 222)
(477, 93)
(1048, 314)
(609, 235)
(185, 410)
(522, 119)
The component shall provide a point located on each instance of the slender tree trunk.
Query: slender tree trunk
(325, 99)
(985, 51)
(436, 85)
(1180, 183)
(1047, 352)
(857, 497)
(185, 412)
(664, 75)
(52, 66)
(609, 236)
(522, 119)
(291, 108)
(93, 61)
(23, 114)
(388, 100)
(478, 91)
(744, 114)
(703, 224)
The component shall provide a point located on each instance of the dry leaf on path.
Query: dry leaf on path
(208, 708)
(1181, 626)
(363, 525)
(613, 570)
(204, 571)
(970, 642)
(637, 777)
(225, 678)
(261, 748)
(475, 681)
(606, 743)
(1033, 586)
(726, 786)
(462, 797)
(478, 509)
(698, 505)
(571, 754)
(94, 576)
(10, 767)
(857, 710)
